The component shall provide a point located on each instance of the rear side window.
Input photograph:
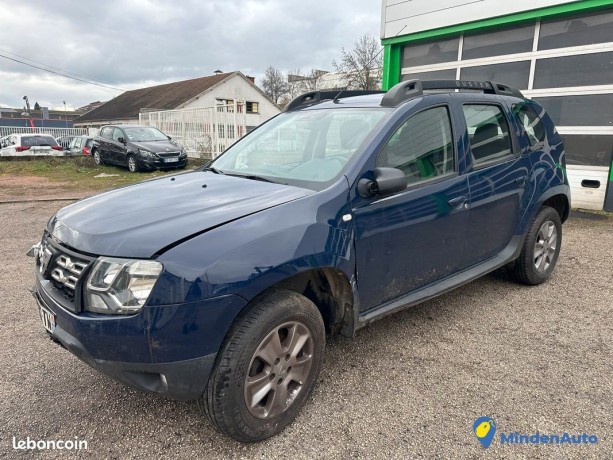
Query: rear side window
(530, 121)
(422, 147)
(488, 131)
(107, 132)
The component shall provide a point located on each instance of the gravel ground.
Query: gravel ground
(408, 386)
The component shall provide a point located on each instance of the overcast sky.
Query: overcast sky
(136, 43)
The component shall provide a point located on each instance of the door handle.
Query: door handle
(521, 181)
(457, 202)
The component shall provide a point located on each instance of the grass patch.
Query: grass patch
(78, 173)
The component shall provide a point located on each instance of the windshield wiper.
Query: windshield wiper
(253, 177)
(213, 170)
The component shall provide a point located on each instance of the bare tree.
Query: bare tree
(300, 83)
(274, 84)
(361, 65)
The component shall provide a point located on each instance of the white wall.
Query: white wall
(237, 88)
(419, 15)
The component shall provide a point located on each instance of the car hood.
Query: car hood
(145, 219)
(157, 146)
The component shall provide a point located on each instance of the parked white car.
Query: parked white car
(15, 145)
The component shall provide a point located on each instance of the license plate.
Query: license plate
(171, 160)
(48, 319)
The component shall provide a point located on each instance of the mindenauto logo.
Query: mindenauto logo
(484, 429)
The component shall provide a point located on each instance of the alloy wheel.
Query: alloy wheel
(545, 246)
(278, 370)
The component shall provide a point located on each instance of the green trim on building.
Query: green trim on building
(558, 10)
(392, 58)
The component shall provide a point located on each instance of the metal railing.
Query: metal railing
(55, 132)
(203, 132)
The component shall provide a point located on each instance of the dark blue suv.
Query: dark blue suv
(221, 284)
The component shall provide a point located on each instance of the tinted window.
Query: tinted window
(531, 122)
(510, 41)
(430, 53)
(488, 131)
(448, 74)
(30, 141)
(590, 110)
(576, 31)
(422, 147)
(514, 74)
(588, 150)
(581, 70)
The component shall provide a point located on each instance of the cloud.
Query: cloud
(135, 43)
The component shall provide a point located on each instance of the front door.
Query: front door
(414, 237)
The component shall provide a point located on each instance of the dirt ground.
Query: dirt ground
(28, 188)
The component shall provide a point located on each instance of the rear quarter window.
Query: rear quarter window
(531, 123)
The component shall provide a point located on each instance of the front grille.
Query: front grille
(65, 269)
(168, 154)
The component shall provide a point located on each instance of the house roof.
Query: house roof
(162, 97)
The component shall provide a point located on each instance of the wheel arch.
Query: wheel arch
(328, 288)
(560, 203)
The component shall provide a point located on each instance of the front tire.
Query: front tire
(541, 248)
(267, 367)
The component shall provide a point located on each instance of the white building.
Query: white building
(558, 52)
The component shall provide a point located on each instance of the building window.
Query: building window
(252, 107)
(576, 31)
(431, 52)
(587, 110)
(510, 41)
(448, 74)
(588, 150)
(581, 70)
(514, 74)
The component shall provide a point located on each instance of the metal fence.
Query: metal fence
(55, 132)
(203, 132)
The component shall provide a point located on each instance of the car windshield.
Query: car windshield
(32, 141)
(305, 148)
(144, 134)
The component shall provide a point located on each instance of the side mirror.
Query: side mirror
(169, 138)
(122, 140)
(387, 180)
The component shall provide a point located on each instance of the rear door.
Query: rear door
(498, 180)
(415, 237)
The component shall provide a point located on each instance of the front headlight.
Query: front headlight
(147, 153)
(120, 286)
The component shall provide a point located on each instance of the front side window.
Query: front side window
(488, 131)
(117, 134)
(422, 147)
(530, 122)
(304, 148)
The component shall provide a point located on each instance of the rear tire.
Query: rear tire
(133, 164)
(541, 248)
(266, 368)
(97, 158)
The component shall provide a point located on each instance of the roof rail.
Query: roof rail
(314, 97)
(411, 89)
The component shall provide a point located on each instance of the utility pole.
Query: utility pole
(65, 115)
